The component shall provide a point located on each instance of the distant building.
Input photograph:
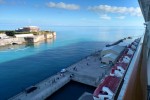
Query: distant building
(109, 58)
(117, 50)
(28, 29)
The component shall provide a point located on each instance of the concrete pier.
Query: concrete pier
(88, 71)
(44, 88)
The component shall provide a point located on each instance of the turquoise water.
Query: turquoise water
(24, 65)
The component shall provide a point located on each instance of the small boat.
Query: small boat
(63, 71)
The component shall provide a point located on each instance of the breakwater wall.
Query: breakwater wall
(38, 38)
(21, 40)
(10, 41)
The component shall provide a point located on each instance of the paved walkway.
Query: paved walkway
(89, 70)
(44, 88)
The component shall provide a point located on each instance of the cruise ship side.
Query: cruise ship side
(134, 83)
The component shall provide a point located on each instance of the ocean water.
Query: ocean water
(71, 91)
(25, 65)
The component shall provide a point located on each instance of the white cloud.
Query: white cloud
(120, 17)
(105, 16)
(63, 5)
(118, 10)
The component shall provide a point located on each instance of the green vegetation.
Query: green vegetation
(44, 32)
(12, 32)
(26, 32)
(35, 33)
(2, 31)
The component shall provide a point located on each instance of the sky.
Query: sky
(17, 13)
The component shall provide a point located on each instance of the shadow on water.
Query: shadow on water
(18, 74)
(71, 91)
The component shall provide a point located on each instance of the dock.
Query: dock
(88, 71)
(115, 43)
(44, 88)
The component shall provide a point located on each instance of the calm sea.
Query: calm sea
(25, 65)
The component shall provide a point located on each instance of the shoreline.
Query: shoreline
(27, 38)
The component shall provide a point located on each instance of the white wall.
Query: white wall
(24, 35)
